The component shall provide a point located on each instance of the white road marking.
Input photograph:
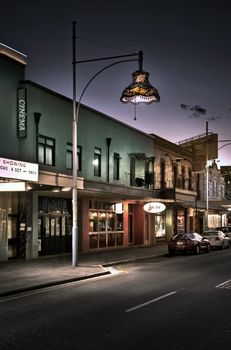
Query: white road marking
(151, 301)
(226, 284)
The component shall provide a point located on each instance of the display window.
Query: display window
(105, 226)
(160, 226)
(180, 223)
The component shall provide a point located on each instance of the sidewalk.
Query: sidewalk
(18, 276)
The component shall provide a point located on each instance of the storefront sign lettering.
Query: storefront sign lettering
(154, 207)
(15, 169)
(22, 113)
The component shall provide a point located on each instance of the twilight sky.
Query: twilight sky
(187, 51)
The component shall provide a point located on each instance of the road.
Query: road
(181, 302)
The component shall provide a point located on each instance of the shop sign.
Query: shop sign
(22, 113)
(119, 208)
(15, 169)
(17, 186)
(154, 207)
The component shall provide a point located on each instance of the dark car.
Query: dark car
(188, 243)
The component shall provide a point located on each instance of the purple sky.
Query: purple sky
(187, 52)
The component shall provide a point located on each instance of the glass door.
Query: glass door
(13, 236)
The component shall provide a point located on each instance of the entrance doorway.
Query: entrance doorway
(54, 234)
(130, 224)
(14, 241)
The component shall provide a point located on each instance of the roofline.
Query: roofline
(68, 99)
(13, 54)
(175, 148)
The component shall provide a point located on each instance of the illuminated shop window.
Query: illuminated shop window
(105, 226)
(160, 226)
(119, 222)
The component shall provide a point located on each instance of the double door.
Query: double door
(54, 234)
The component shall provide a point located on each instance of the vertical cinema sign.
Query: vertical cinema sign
(21, 113)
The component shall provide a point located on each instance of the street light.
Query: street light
(139, 91)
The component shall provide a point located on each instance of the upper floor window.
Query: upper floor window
(116, 166)
(175, 176)
(198, 186)
(97, 162)
(46, 150)
(222, 192)
(69, 159)
(183, 177)
(214, 189)
(162, 174)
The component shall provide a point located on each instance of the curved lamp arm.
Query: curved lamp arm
(227, 144)
(94, 76)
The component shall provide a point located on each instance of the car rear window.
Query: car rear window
(211, 233)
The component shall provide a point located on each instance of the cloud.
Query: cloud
(187, 106)
(212, 118)
(198, 112)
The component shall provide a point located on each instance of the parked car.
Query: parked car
(188, 242)
(225, 229)
(217, 239)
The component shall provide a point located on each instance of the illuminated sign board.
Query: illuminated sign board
(15, 169)
(22, 113)
(13, 186)
(154, 207)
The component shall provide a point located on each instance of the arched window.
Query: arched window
(162, 174)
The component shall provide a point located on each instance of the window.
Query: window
(190, 179)
(116, 166)
(69, 159)
(97, 162)
(46, 150)
(198, 186)
(183, 177)
(105, 225)
(69, 156)
(175, 176)
(214, 189)
(162, 174)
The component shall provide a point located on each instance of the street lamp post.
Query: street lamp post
(207, 179)
(139, 91)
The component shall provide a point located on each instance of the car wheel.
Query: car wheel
(171, 252)
(229, 244)
(197, 249)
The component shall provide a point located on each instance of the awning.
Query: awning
(212, 205)
(186, 204)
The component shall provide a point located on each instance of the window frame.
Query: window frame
(97, 161)
(69, 153)
(116, 166)
(45, 147)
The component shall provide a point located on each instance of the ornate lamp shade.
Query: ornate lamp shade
(140, 90)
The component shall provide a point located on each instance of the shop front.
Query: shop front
(105, 225)
(54, 225)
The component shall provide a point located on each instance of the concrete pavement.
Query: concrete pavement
(17, 276)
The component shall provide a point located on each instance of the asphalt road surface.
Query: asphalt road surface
(181, 302)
